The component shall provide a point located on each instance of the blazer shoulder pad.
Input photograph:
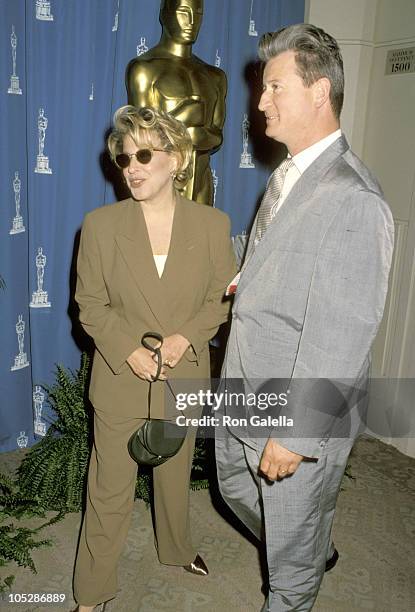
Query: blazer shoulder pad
(107, 212)
(355, 173)
(205, 214)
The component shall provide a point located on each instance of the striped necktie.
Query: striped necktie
(272, 194)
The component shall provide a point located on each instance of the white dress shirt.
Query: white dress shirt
(301, 162)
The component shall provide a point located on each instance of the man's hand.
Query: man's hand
(173, 349)
(277, 461)
(142, 364)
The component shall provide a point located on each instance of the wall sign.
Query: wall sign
(400, 61)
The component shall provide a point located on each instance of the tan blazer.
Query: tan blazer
(121, 296)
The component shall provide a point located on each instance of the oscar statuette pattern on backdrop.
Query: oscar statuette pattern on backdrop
(62, 77)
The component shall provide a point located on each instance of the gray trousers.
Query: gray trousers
(294, 516)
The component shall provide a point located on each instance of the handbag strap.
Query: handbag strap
(157, 351)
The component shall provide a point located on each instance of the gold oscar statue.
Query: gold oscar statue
(171, 78)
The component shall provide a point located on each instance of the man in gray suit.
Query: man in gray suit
(308, 304)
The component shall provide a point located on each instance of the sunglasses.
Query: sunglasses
(143, 156)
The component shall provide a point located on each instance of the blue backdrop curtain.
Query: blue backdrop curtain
(62, 66)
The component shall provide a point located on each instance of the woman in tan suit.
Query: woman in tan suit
(153, 262)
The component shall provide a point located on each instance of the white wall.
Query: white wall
(379, 121)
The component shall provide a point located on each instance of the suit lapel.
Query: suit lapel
(178, 263)
(134, 244)
(286, 217)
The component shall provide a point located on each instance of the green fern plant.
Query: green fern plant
(199, 474)
(143, 485)
(55, 468)
(16, 542)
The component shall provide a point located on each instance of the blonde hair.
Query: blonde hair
(157, 128)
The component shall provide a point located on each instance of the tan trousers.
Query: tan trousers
(110, 497)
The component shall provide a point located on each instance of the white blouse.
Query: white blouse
(160, 261)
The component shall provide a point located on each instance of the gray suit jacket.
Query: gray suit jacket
(311, 295)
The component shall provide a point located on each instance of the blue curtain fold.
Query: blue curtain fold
(57, 100)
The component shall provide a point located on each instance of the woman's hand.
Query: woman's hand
(143, 365)
(173, 349)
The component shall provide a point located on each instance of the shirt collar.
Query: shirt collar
(306, 157)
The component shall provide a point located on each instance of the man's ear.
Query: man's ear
(322, 89)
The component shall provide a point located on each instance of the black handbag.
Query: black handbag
(158, 439)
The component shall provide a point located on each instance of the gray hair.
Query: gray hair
(156, 128)
(317, 55)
